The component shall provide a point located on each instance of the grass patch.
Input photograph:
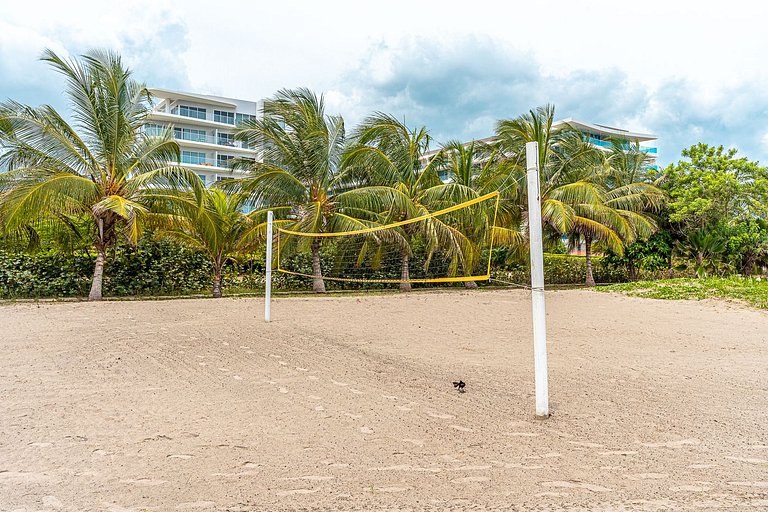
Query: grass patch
(752, 291)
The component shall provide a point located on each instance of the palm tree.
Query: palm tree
(300, 176)
(215, 226)
(477, 168)
(583, 196)
(388, 153)
(101, 168)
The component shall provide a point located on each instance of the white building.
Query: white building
(601, 136)
(204, 126)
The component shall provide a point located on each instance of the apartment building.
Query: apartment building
(601, 136)
(204, 127)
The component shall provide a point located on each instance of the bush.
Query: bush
(564, 269)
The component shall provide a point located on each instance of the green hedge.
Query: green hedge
(166, 268)
(564, 269)
(153, 268)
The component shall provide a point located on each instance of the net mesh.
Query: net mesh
(453, 244)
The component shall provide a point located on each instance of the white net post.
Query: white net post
(268, 283)
(537, 280)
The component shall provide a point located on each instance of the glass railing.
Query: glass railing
(198, 160)
(192, 137)
(609, 144)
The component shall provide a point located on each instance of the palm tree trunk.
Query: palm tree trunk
(98, 273)
(217, 281)
(405, 274)
(588, 256)
(318, 285)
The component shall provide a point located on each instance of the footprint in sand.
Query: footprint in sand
(319, 408)
(357, 391)
(618, 452)
(237, 377)
(748, 460)
(312, 377)
(353, 416)
(282, 363)
(470, 479)
(417, 442)
(586, 445)
(224, 369)
(339, 383)
(690, 488)
(702, 466)
(366, 430)
(283, 390)
(299, 368)
(41, 445)
(225, 343)
(148, 482)
(461, 429)
(647, 476)
(522, 434)
(190, 505)
(244, 347)
(202, 364)
(250, 352)
(439, 415)
(314, 478)
(180, 456)
(201, 357)
(575, 484)
(297, 491)
(673, 444)
(389, 489)
(314, 397)
(750, 484)
(275, 356)
(389, 397)
(403, 408)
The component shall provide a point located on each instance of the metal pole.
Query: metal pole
(268, 284)
(537, 280)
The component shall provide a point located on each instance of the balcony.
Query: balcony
(203, 162)
(607, 144)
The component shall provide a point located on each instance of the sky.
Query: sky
(686, 71)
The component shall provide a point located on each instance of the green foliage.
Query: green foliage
(561, 269)
(753, 291)
(747, 246)
(153, 268)
(653, 254)
(715, 188)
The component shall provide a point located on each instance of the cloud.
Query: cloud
(459, 88)
(152, 43)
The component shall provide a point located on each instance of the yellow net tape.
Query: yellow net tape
(281, 232)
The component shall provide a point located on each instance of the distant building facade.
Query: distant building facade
(204, 128)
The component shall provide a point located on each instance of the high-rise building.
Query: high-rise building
(204, 128)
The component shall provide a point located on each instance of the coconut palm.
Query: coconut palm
(582, 197)
(477, 168)
(101, 167)
(214, 225)
(300, 176)
(390, 154)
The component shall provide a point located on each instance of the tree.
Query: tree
(301, 178)
(387, 153)
(714, 188)
(571, 200)
(476, 167)
(102, 168)
(704, 247)
(215, 226)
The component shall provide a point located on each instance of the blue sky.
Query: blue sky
(687, 71)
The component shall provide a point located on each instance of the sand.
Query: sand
(347, 404)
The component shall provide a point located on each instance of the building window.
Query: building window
(224, 117)
(190, 134)
(241, 118)
(193, 157)
(187, 111)
(226, 139)
(154, 130)
(223, 160)
(202, 178)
